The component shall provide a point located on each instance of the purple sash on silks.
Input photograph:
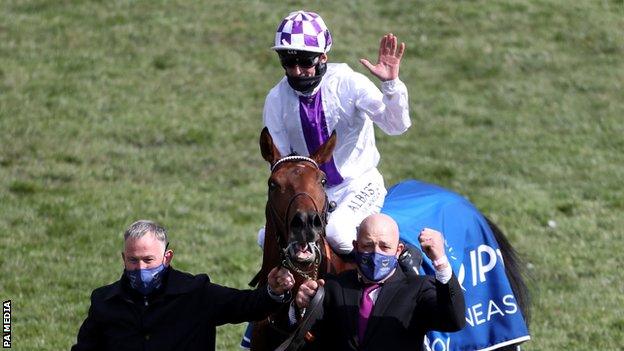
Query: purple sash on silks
(493, 317)
(316, 134)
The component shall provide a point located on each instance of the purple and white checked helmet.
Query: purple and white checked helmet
(303, 31)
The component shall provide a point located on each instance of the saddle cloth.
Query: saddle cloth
(493, 317)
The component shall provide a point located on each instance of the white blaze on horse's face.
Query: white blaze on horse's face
(296, 190)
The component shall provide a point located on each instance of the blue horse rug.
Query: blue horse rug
(493, 317)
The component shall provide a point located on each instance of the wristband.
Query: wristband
(440, 261)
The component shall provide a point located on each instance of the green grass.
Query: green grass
(111, 111)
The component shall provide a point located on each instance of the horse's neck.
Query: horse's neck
(271, 256)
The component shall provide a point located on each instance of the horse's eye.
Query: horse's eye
(272, 185)
(323, 181)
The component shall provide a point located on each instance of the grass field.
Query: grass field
(112, 111)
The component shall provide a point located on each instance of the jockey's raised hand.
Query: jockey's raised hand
(389, 60)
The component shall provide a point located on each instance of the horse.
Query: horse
(296, 214)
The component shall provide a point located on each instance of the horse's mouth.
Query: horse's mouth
(302, 252)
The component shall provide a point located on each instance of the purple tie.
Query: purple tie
(366, 306)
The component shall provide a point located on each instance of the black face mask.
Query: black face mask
(306, 85)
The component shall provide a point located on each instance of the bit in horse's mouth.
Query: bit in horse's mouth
(302, 252)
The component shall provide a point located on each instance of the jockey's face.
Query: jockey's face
(379, 233)
(306, 67)
(145, 252)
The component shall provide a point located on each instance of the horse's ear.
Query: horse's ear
(325, 151)
(267, 148)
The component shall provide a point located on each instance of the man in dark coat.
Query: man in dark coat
(376, 307)
(155, 307)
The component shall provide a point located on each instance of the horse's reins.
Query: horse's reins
(296, 339)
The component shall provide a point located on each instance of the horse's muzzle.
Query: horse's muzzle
(304, 231)
(303, 252)
(305, 227)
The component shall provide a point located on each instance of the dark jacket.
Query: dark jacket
(405, 309)
(182, 316)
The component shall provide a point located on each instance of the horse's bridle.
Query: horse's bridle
(283, 247)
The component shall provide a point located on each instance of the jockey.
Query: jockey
(316, 97)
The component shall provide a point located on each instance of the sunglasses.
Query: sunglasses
(301, 61)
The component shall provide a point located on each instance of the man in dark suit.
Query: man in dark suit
(376, 307)
(155, 307)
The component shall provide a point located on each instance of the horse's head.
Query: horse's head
(297, 203)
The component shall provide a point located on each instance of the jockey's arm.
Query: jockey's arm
(388, 109)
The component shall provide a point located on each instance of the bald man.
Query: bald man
(376, 307)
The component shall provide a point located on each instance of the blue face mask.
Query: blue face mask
(375, 266)
(146, 280)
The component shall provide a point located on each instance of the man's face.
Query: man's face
(145, 252)
(379, 233)
(302, 65)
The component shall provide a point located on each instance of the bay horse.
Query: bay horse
(296, 214)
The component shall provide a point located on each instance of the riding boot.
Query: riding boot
(410, 260)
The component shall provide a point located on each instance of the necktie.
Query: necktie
(366, 306)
